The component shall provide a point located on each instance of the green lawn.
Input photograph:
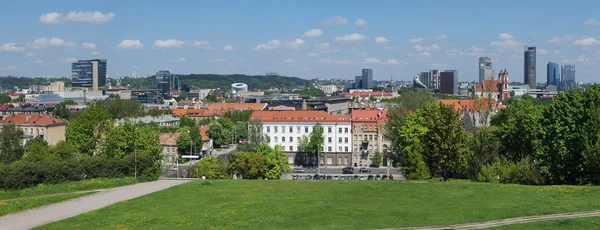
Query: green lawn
(72, 186)
(577, 223)
(11, 206)
(243, 204)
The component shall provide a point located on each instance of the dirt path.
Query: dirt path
(54, 212)
(516, 220)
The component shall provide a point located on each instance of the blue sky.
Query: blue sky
(298, 38)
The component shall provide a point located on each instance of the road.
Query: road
(35, 217)
(338, 170)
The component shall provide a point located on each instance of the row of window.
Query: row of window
(306, 129)
(329, 149)
(365, 137)
(291, 139)
(341, 160)
(339, 140)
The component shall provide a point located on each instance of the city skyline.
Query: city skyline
(334, 41)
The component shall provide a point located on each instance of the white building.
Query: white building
(286, 128)
(328, 89)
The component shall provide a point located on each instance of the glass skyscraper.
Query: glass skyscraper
(485, 69)
(529, 73)
(568, 77)
(553, 74)
(163, 82)
(88, 74)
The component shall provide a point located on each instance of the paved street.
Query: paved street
(35, 217)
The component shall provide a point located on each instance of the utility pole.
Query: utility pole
(135, 158)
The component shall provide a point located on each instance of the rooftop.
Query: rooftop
(470, 105)
(237, 106)
(151, 119)
(367, 94)
(368, 115)
(168, 138)
(297, 116)
(32, 119)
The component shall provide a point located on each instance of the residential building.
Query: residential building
(368, 95)
(207, 143)
(449, 82)
(57, 86)
(169, 143)
(26, 110)
(494, 89)
(553, 74)
(529, 66)
(568, 77)
(368, 136)
(287, 128)
(50, 129)
(485, 69)
(328, 89)
(216, 110)
(89, 74)
(163, 120)
(163, 83)
(198, 94)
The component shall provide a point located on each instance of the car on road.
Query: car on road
(371, 177)
(362, 178)
(378, 177)
(348, 170)
(298, 170)
(308, 177)
(336, 178)
(295, 177)
(384, 177)
(329, 177)
(356, 178)
(364, 169)
(316, 177)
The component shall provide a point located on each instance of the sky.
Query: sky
(307, 39)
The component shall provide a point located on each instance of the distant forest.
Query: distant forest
(213, 81)
(10, 82)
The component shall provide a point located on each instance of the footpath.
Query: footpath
(39, 216)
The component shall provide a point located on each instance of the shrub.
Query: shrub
(212, 168)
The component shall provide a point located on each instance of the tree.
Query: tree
(184, 142)
(21, 98)
(212, 168)
(221, 131)
(37, 149)
(63, 150)
(519, 130)
(377, 159)
(154, 112)
(255, 134)
(119, 109)
(211, 97)
(10, 144)
(411, 149)
(317, 140)
(277, 162)
(241, 130)
(303, 144)
(4, 98)
(485, 147)
(185, 121)
(86, 130)
(249, 165)
(61, 111)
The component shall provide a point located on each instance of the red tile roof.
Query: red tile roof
(488, 85)
(367, 94)
(32, 119)
(236, 106)
(368, 115)
(470, 105)
(203, 130)
(297, 116)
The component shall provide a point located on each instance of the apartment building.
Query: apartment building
(368, 136)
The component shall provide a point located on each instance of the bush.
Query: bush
(523, 172)
(212, 168)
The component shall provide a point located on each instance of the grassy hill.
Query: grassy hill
(211, 81)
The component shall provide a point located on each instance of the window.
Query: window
(329, 149)
(298, 129)
(282, 139)
(282, 129)
(345, 140)
(291, 148)
(328, 129)
(339, 148)
(339, 160)
(291, 139)
(328, 139)
(275, 139)
(290, 160)
(275, 129)
(291, 129)
(298, 139)
(346, 160)
(345, 130)
(339, 130)
(268, 129)
(339, 140)
(329, 160)
(306, 129)
(346, 149)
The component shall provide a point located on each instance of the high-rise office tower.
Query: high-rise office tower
(449, 82)
(553, 74)
(485, 69)
(424, 78)
(367, 79)
(567, 77)
(434, 79)
(529, 73)
(163, 82)
(88, 74)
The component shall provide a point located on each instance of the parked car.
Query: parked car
(347, 171)
(308, 177)
(384, 177)
(298, 170)
(322, 177)
(378, 177)
(356, 178)
(336, 178)
(300, 177)
(329, 178)
(362, 178)
(371, 177)
(364, 169)
(295, 177)
(316, 177)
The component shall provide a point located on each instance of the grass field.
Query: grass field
(243, 204)
(19, 200)
(577, 223)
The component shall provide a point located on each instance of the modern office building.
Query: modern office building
(365, 81)
(163, 83)
(567, 77)
(424, 78)
(175, 85)
(449, 82)
(529, 67)
(485, 69)
(553, 74)
(434, 79)
(89, 74)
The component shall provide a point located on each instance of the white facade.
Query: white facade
(337, 135)
(328, 89)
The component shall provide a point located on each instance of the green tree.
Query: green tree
(221, 132)
(277, 161)
(86, 130)
(255, 134)
(185, 121)
(249, 165)
(37, 149)
(303, 144)
(4, 98)
(21, 98)
(154, 112)
(485, 147)
(64, 150)
(11, 148)
(316, 140)
(212, 168)
(211, 97)
(519, 130)
(377, 159)
(184, 142)
(119, 109)
(411, 149)
(61, 111)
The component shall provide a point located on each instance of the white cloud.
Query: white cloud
(230, 48)
(130, 44)
(542, 51)
(342, 62)
(270, 45)
(422, 54)
(313, 33)
(591, 22)
(322, 46)
(91, 17)
(95, 53)
(73, 16)
(240, 60)
(473, 51)
(556, 52)
(89, 45)
(323, 61)
(12, 47)
(361, 23)
(586, 41)
(327, 61)
(371, 60)
(554, 40)
(11, 67)
(506, 41)
(355, 37)
(392, 62)
(45, 42)
(30, 54)
(205, 45)
(38, 61)
(581, 59)
(69, 60)
(313, 54)
(415, 40)
(167, 44)
(295, 44)
(442, 37)
(288, 61)
(218, 60)
(335, 21)
(181, 59)
(427, 48)
(51, 18)
(381, 40)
